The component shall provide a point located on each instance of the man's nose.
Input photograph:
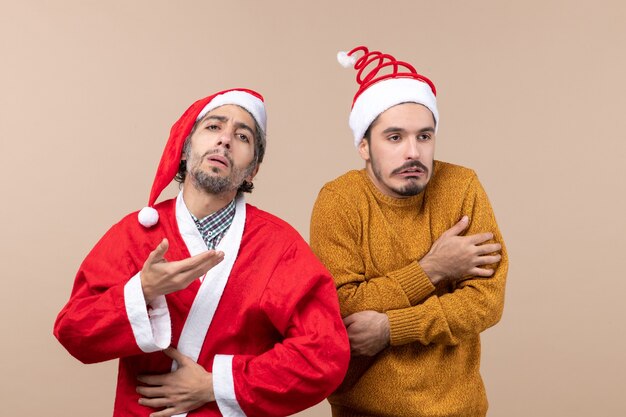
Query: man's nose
(412, 149)
(225, 137)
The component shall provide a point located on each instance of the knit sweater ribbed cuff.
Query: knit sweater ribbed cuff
(403, 326)
(414, 282)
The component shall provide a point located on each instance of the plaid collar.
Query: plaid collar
(214, 226)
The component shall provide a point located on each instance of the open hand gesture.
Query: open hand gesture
(160, 277)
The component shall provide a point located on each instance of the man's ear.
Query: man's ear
(364, 149)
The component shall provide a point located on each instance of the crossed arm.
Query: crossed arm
(402, 306)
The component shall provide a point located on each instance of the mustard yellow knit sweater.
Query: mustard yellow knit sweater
(371, 244)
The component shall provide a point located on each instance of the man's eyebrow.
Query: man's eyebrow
(214, 117)
(241, 125)
(223, 119)
(391, 129)
(238, 125)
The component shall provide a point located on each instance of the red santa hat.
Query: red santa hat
(383, 83)
(170, 160)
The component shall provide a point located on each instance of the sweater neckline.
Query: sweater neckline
(413, 201)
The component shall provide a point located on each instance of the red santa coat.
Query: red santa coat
(265, 320)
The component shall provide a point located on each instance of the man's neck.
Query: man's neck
(201, 204)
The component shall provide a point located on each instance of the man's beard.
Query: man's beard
(407, 190)
(216, 184)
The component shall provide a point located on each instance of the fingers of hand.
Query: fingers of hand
(167, 412)
(366, 346)
(179, 274)
(479, 238)
(151, 392)
(488, 248)
(358, 330)
(158, 397)
(157, 254)
(488, 260)
(212, 260)
(352, 338)
(458, 227)
(196, 264)
(155, 402)
(156, 380)
(208, 257)
(176, 355)
(358, 345)
(351, 319)
(481, 272)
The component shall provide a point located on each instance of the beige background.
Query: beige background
(531, 93)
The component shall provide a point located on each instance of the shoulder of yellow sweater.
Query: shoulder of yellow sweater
(450, 180)
(349, 184)
(448, 169)
(447, 172)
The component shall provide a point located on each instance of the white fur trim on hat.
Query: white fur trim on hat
(384, 95)
(249, 102)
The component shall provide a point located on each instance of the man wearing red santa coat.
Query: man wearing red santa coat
(212, 306)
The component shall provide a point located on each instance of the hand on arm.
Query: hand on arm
(476, 303)
(450, 258)
(453, 257)
(187, 388)
(160, 277)
(368, 332)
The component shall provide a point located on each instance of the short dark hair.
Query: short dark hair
(368, 133)
(259, 153)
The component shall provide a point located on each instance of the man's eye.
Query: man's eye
(424, 137)
(212, 127)
(243, 138)
(394, 138)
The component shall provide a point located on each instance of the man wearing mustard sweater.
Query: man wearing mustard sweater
(417, 257)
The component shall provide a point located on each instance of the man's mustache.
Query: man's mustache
(225, 154)
(410, 164)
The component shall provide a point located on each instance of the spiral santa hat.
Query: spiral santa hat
(383, 83)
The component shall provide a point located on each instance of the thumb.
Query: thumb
(174, 354)
(458, 227)
(157, 255)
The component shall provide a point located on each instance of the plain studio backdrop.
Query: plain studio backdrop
(531, 96)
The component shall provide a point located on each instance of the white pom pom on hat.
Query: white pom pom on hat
(148, 216)
(345, 60)
(170, 160)
(383, 83)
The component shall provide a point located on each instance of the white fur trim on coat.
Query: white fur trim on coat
(152, 329)
(224, 387)
(208, 297)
